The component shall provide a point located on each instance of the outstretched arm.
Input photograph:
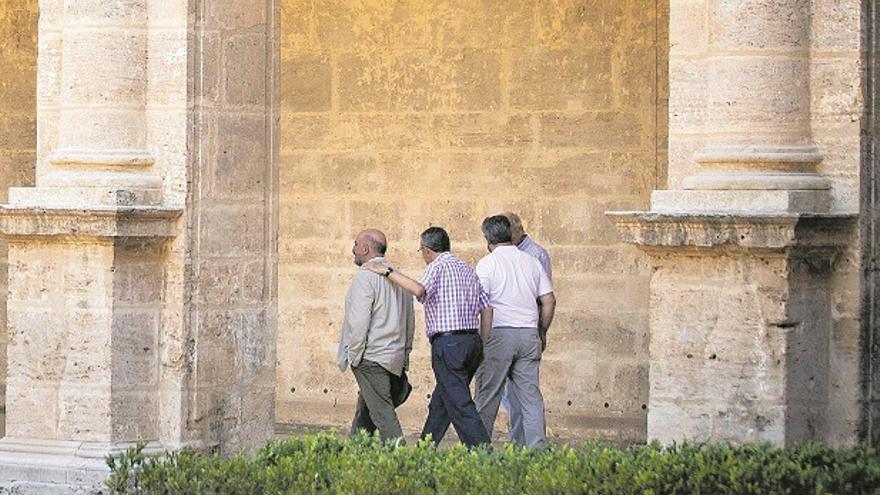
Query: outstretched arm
(406, 283)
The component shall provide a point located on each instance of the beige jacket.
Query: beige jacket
(379, 323)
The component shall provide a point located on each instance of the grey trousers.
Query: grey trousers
(513, 355)
(374, 407)
(514, 413)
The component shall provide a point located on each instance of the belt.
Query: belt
(452, 332)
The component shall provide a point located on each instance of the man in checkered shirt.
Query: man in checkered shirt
(456, 308)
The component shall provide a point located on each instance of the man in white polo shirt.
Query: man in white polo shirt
(522, 301)
(524, 243)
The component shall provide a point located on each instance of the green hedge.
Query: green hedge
(327, 463)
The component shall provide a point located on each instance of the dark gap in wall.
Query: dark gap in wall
(870, 229)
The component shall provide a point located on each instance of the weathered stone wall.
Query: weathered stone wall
(232, 220)
(748, 341)
(18, 128)
(836, 110)
(404, 115)
(69, 383)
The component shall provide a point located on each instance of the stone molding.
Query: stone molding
(651, 230)
(758, 167)
(78, 467)
(770, 154)
(115, 158)
(85, 450)
(96, 222)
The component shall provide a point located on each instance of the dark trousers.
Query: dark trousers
(455, 358)
(375, 409)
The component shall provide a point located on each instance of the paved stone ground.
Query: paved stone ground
(283, 431)
(286, 430)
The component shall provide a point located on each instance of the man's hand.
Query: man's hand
(543, 336)
(375, 267)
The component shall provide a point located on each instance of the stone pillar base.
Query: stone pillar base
(52, 466)
(740, 317)
(85, 316)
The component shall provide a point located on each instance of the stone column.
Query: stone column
(740, 91)
(100, 156)
(743, 244)
(87, 256)
(141, 282)
(84, 313)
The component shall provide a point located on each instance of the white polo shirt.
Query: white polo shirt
(514, 280)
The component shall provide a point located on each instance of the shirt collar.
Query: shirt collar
(504, 247)
(441, 256)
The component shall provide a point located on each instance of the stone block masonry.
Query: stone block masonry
(400, 116)
(760, 134)
(405, 115)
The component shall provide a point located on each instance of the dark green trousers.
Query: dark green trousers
(374, 407)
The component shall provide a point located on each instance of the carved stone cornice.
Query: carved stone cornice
(18, 222)
(649, 230)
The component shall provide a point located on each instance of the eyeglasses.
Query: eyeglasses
(421, 248)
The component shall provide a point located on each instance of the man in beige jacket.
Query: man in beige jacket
(376, 338)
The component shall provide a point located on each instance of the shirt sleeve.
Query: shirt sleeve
(358, 314)
(484, 272)
(410, 331)
(484, 298)
(429, 281)
(545, 285)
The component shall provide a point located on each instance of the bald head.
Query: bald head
(516, 228)
(376, 239)
(368, 244)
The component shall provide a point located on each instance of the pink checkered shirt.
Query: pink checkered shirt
(453, 296)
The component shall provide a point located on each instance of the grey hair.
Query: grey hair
(497, 229)
(436, 239)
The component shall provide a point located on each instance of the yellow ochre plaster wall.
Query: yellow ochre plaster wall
(401, 115)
